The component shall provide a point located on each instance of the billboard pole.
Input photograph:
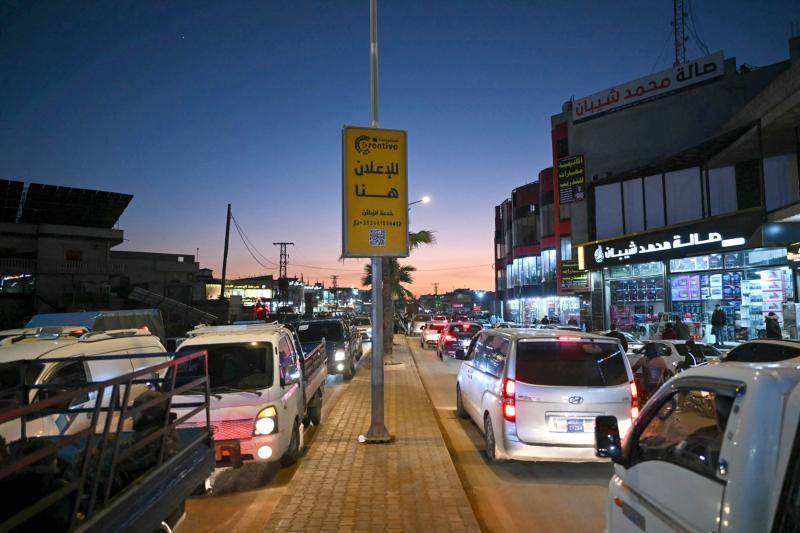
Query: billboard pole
(377, 430)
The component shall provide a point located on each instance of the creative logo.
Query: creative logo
(598, 254)
(364, 144)
(575, 400)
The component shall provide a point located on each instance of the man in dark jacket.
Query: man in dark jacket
(773, 326)
(718, 321)
(618, 335)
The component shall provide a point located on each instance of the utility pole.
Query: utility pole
(225, 253)
(679, 30)
(377, 430)
(334, 280)
(282, 264)
(436, 289)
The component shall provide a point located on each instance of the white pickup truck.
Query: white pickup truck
(263, 389)
(715, 449)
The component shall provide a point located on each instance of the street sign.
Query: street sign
(374, 193)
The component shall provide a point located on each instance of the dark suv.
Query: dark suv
(455, 338)
(342, 343)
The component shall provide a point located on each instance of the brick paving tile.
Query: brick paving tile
(407, 485)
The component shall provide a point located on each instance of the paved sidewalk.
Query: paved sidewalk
(407, 485)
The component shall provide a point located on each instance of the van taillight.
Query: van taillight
(449, 338)
(509, 401)
(634, 401)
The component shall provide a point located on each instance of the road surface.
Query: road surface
(244, 498)
(513, 496)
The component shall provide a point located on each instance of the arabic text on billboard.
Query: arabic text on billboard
(571, 179)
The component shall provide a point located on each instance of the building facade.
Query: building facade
(683, 193)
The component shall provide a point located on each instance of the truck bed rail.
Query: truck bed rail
(102, 477)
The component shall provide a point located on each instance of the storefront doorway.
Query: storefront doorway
(635, 295)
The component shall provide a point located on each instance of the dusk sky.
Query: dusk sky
(192, 105)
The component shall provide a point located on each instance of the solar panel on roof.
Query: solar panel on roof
(10, 196)
(51, 204)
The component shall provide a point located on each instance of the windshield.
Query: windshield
(571, 364)
(700, 349)
(436, 327)
(421, 318)
(315, 331)
(10, 374)
(235, 366)
(763, 352)
(361, 321)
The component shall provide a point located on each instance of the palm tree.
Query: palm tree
(392, 277)
(398, 275)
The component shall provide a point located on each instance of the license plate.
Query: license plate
(574, 426)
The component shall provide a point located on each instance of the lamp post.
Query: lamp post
(424, 200)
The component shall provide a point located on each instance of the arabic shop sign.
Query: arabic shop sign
(655, 85)
(374, 193)
(571, 179)
(572, 278)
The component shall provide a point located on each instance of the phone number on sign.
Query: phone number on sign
(394, 223)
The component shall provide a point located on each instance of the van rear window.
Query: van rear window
(570, 364)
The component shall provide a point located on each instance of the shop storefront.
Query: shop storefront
(746, 280)
(531, 310)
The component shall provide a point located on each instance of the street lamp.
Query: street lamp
(424, 200)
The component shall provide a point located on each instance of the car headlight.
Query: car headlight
(266, 421)
(338, 355)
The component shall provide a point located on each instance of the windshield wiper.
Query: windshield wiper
(234, 389)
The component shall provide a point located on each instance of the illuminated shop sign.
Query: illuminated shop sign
(694, 239)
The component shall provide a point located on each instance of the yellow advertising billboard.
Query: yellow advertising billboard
(374, 193)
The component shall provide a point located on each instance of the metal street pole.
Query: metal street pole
(377, 430)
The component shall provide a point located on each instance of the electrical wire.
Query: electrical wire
(236, 227)
(663, 47)
(245, 237)
(693, 29)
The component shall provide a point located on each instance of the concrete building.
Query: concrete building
(682, 190)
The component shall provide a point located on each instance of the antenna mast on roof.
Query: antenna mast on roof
(679, 30)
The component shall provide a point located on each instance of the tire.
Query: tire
(315, 411)
(460, 404)
(293, 451)
(488, 435)
(350, 370)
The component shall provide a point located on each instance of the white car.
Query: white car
(33, 348)
(674, 352)
(430, 334)
(535, 394)
(417, 323)
(715, 449)
(507, 325)
(363, 325)
(634, 343)
(260, 395)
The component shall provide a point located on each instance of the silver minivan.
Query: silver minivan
(536, 393)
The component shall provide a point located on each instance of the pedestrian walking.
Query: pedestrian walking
(681, 329)
(572, 322)
(654, 371)
(544, 321)
(718, 322)
(669, 332)
(693, 357)
(773, 326)
(618, 335)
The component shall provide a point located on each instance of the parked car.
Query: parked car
(342, 344)
(716, 449)
(455, 338)
(764, 351)
(561, 327)
(507, 325)
(634, 343)
(535, 394)
(674, 352)
(264, 386)
(417, 323)
(19, 355)
(430, 334)
(363, 325)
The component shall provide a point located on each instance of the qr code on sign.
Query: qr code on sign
(377, 237)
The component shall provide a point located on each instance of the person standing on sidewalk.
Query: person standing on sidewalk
(718, 321)
(773, 326)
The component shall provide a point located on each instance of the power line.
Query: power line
(241, 236)
(245, 237)
(693, 30)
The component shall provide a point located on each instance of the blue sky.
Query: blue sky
(192, 105)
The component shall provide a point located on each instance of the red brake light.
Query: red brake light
(634, 401)
(509, 400)
(449, 338)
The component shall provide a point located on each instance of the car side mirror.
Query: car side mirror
(607, 442)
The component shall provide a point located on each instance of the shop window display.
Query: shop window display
(636, 298)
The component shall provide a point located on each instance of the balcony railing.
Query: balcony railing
(81, 267)
(17, 266)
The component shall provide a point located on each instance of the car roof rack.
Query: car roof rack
(94, 336)
(203, 329)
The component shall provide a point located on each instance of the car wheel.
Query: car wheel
(460, 404)
(315, 411)
(491, 445)
(293, 451)
(350, 370)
